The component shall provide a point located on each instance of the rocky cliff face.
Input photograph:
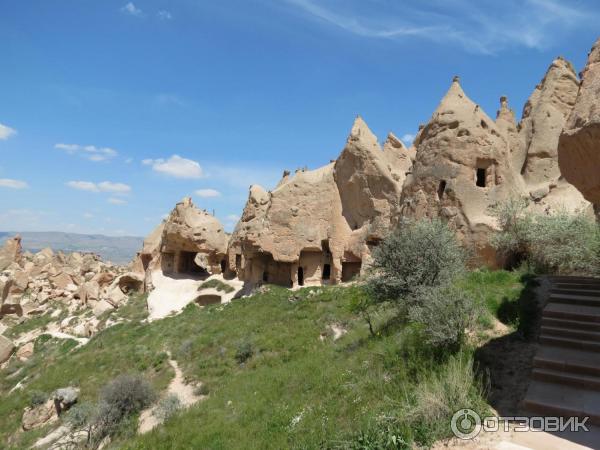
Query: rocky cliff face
(579, 144)
(319, 225)
(462, 167)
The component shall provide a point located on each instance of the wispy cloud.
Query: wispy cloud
(485, 26)
(207, 193)
(131, 9)
(90, 152)
(168, 99)
(6, 132)
(164, 15)
(13, 184)
(116, 201)
(104, 186)
(176, 166)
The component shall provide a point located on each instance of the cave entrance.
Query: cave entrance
(481, 177)
(441, 189)
(350, 270)
(187, 264)
(300, 276)
(326, 272)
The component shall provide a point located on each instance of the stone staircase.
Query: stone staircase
(565, 380)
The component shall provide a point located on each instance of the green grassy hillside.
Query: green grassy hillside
(275, 375)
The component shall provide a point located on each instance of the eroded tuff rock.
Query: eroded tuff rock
(320, 225)
(190, 241)
(53, 284)
(536, 150)
(462, 167)
(579, 144)
(10, 253)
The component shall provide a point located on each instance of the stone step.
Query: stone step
(572, 279)
(567, 360)
(566, 378)
(572, 312)
(576, 291)
(570, 343)
(571, 333)
(572, 299)
(558, 322)
(551, 399)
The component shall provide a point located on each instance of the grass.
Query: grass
(33, 323)
(291, 389)
(218, 285)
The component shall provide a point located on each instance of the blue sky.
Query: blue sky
(111, 111)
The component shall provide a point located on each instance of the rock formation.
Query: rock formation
(49, 283)
(536, 150)
(462, 167)
(10, 253)
(320, 225)
(190, 241)
(579, 144)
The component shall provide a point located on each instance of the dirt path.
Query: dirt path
(177, 386)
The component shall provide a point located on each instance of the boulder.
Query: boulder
(25, 352)
(6, 349)
(10, 253)
(64, 398)
(39, 415)
(579, 143)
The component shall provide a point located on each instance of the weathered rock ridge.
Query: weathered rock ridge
(579, 145)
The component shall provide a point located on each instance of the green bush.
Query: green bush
(122, 397)
(560, 243)
(167, 407)
(244, 352)
(417, 254)
(444, 313)
(37, 398)
(218, 285)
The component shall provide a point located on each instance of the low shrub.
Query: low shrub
(37, 398)
(167, 407)
(444, 313)
(417, 254)
(559, 243)
(244, 352)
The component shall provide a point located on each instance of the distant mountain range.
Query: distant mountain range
(119, 250)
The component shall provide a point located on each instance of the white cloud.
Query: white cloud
(408, 138)
(88, 215)
(83, 186)
(116, 188)
(128, 160)
(116, 201)
(165, 15)
(13, 184)
(6, 132)
(207, 193)
(130, 8)
(176, 166)
(485, 26)
(90, 152)
(105, 186)
(233, 217)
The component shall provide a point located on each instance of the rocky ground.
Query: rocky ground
(63, 295)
